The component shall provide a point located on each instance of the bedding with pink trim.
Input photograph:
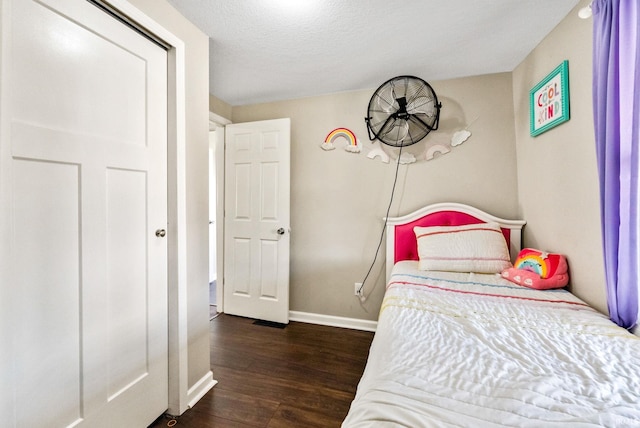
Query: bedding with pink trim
(475, 350)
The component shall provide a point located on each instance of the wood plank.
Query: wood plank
(302, 375)
(233, 406)
(288, 416)
(300, 394)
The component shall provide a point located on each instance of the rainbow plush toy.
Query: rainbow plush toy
(538, 269)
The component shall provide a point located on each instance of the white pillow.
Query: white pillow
(479, 248)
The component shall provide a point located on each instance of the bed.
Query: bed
(469, 349)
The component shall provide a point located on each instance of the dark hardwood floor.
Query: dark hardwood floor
(303, 375)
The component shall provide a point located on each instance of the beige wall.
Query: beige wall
(557, 176)
(338, 198)
(219, 107)
(197, 120)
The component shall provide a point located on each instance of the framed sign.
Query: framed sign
(549, 100)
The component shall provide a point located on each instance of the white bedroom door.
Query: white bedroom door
(257, 187)
(85, 159)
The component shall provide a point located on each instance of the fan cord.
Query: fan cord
(384, 226)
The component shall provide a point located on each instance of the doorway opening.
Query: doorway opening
(216, 170)
(213, 271)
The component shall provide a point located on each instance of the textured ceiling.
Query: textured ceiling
(268, 50)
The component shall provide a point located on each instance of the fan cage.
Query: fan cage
(402, 111)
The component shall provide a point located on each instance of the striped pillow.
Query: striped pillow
(477, 248)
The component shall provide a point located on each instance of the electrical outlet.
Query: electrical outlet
(358, 289)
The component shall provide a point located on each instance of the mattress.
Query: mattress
(474, 350)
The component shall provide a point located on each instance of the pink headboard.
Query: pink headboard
(401, 240)
(406, 247)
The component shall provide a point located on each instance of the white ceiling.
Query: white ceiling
(269, 50)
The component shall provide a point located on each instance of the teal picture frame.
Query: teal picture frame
(549, 100)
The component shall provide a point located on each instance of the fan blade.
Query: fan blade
(388, 105)
(410, 135)
(398, 132)
(420, 90)
(378, 124)
(393, 89)
(406, 86)
(417, 105)
(416, 119)
(403, 130)
(386, 127)
(388, 110)
(393, 129)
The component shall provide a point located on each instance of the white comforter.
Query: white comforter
(473, 350)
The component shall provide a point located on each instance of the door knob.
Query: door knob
(280, 231)
(160, 233)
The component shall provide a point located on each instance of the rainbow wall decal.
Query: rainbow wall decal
(352, 142)
(378, 152)
(436, 148)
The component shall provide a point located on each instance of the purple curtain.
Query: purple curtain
(616, 109)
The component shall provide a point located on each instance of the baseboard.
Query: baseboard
(333, 321)
(201, 387)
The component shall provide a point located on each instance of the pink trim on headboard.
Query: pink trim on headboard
(406, 246)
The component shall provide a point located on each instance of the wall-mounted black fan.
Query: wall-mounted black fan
(402, 111)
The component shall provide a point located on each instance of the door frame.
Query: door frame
(216, 121)
(181, 397)
(178, 349)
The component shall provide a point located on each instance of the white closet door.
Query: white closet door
(85, 162)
